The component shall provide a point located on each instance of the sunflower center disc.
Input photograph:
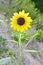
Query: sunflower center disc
(20, 21)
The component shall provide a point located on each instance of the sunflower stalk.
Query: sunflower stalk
(19, 49)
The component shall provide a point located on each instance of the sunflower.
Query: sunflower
(20, 21)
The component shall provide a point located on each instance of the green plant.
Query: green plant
(2, 45)
(20, 50)
(15, 35)
(16, 6)
(40, 35)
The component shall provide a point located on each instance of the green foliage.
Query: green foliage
(2, 40)
(39, 4)
(40, 35)
(38, 22)
(2, 45)
(24, 36)
(17, 5)
(10, 53)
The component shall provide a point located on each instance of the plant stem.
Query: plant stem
(31, 39)
(19, 49)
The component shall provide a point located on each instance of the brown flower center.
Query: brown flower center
(20, 21)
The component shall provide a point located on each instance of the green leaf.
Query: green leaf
(30, 51)
(10, 53)
(24, 36)
(15, 35)
(40, 35)
(5, 60)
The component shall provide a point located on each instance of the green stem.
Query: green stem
(31, 39)
(19, 50)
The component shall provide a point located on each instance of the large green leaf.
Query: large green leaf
(5, 60)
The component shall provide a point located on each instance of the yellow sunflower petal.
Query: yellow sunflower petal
(20, 21)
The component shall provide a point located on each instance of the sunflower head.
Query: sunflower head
(20, 21)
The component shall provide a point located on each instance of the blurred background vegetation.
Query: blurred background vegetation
(39, 5)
